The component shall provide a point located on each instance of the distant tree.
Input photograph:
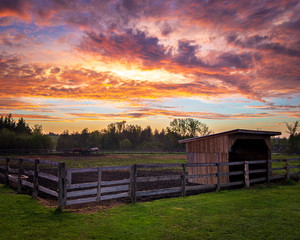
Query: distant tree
(189, 127)
(125, 144)
(294, 138)
(22, 127)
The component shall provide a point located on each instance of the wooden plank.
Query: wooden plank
(200, 187)
(115, 182)
(13, 170)
(113, 196)
(158, 178)
(115, 189)
(232, 184)
(183, 183)
(246, 174)
(231, 163)
(82, 170)
(47, 162)
(2, 167)
(202, 175)
(47, 190)
(2, 175)
(69, 178)
(28, 172)
(277, 176)
(269, 168)
(28, 160)
(287, 170)
(81, 193)
(116, 168)
(258, 179)
(99, 184)
(278, 168)
(13, 178)
(48, 176)
(257, 161)
(158, 192)
(232, 173)
(20, 172)
(6, 180)
(218, 177)
(26, 183)
(293, 159)
(294, 173)
(294, 166)
(80, 201)
(277, 160)
(133, 186)
(200, 164)
(14, 159)
(35, 178)
(159, 165)
(258, 171)
(83, 185)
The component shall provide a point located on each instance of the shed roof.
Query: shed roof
(234, 131)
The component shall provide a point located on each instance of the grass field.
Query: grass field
(261, 212)
(78, 161)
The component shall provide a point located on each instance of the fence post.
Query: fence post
(99, 184)
(133, 183)
(287, 169)
(62, 190)
(183, 180)
(6, 180)
(35, 178)
(218, 175)
(246, 173)
(269, 170)
(19, 190)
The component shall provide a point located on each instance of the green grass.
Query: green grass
(261, 212)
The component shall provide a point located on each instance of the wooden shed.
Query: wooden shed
(230, 146)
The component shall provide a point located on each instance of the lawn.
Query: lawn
(261, 212)
(78, 161)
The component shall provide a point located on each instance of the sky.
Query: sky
(70, 65)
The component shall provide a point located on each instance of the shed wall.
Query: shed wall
(210, 150)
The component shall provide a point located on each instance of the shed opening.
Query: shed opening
(248, 150)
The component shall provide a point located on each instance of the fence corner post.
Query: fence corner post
(183, 180)
(19, 190)
(35, 178)
(62, 188)
(6, 180)
(246, 173)
(133, 183)
(287, 169)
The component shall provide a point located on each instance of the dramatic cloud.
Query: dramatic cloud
(130, 53)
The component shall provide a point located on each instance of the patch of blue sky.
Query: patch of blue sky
(287, 101)
(224, 106)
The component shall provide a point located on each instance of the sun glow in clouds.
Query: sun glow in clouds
(148, 61)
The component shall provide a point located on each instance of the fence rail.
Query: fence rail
(134, 180)
(30, 173)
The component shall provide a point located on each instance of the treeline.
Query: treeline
(123, 136)
(18, 135)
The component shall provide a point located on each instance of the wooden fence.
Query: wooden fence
(86, 185)
(43, 176)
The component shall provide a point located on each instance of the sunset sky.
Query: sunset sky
(77, 64)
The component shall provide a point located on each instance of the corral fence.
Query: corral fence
(137, 181)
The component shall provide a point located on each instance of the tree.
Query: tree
(294, 138)
(189, 127)
(22, 127)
